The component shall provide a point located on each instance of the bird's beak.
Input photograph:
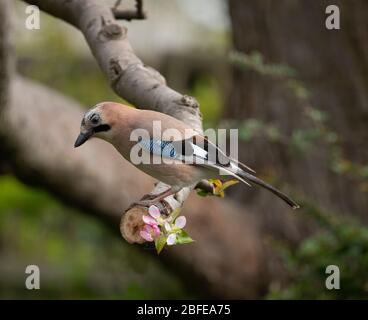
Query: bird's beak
(82, 138)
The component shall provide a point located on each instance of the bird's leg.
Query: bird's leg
(158, 197)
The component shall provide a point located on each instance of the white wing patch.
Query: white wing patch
(198, 151)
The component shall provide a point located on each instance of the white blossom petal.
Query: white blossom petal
(171, 239)
(180, 222)
(154, 212)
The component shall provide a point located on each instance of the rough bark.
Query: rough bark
(40, 126)
(333, 64)
(139, 84)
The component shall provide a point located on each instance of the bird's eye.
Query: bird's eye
(95, 119)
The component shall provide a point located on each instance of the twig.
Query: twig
(129, 15)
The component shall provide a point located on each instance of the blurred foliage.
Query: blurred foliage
(88, 84)
(207, 92)
(254, 61)
(77, 255)
(57, 56)
(341, 242)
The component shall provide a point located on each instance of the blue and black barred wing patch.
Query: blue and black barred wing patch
(159, 148)
(180, 150)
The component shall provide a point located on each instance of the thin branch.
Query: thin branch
(129, 15)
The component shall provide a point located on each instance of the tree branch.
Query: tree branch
(139, 84)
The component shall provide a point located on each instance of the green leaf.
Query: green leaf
(204, 193)
(182, 237)
(160, 243)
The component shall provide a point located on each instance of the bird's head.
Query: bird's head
(96, 122)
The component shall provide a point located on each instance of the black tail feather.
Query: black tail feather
(267, 186)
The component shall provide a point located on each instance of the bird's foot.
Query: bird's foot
(144, 203)
(154, 198)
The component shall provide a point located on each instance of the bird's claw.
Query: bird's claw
(144, 203)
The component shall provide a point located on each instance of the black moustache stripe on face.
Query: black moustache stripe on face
(101, 128)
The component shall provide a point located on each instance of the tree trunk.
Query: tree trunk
(334, 66)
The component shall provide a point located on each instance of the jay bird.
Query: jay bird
(116, 123)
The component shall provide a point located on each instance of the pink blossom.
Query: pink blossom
(154, 216)
(151, 228)
(156, 230)
(149, 220)
(146, 236)
(149, 232)
(153, 221)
